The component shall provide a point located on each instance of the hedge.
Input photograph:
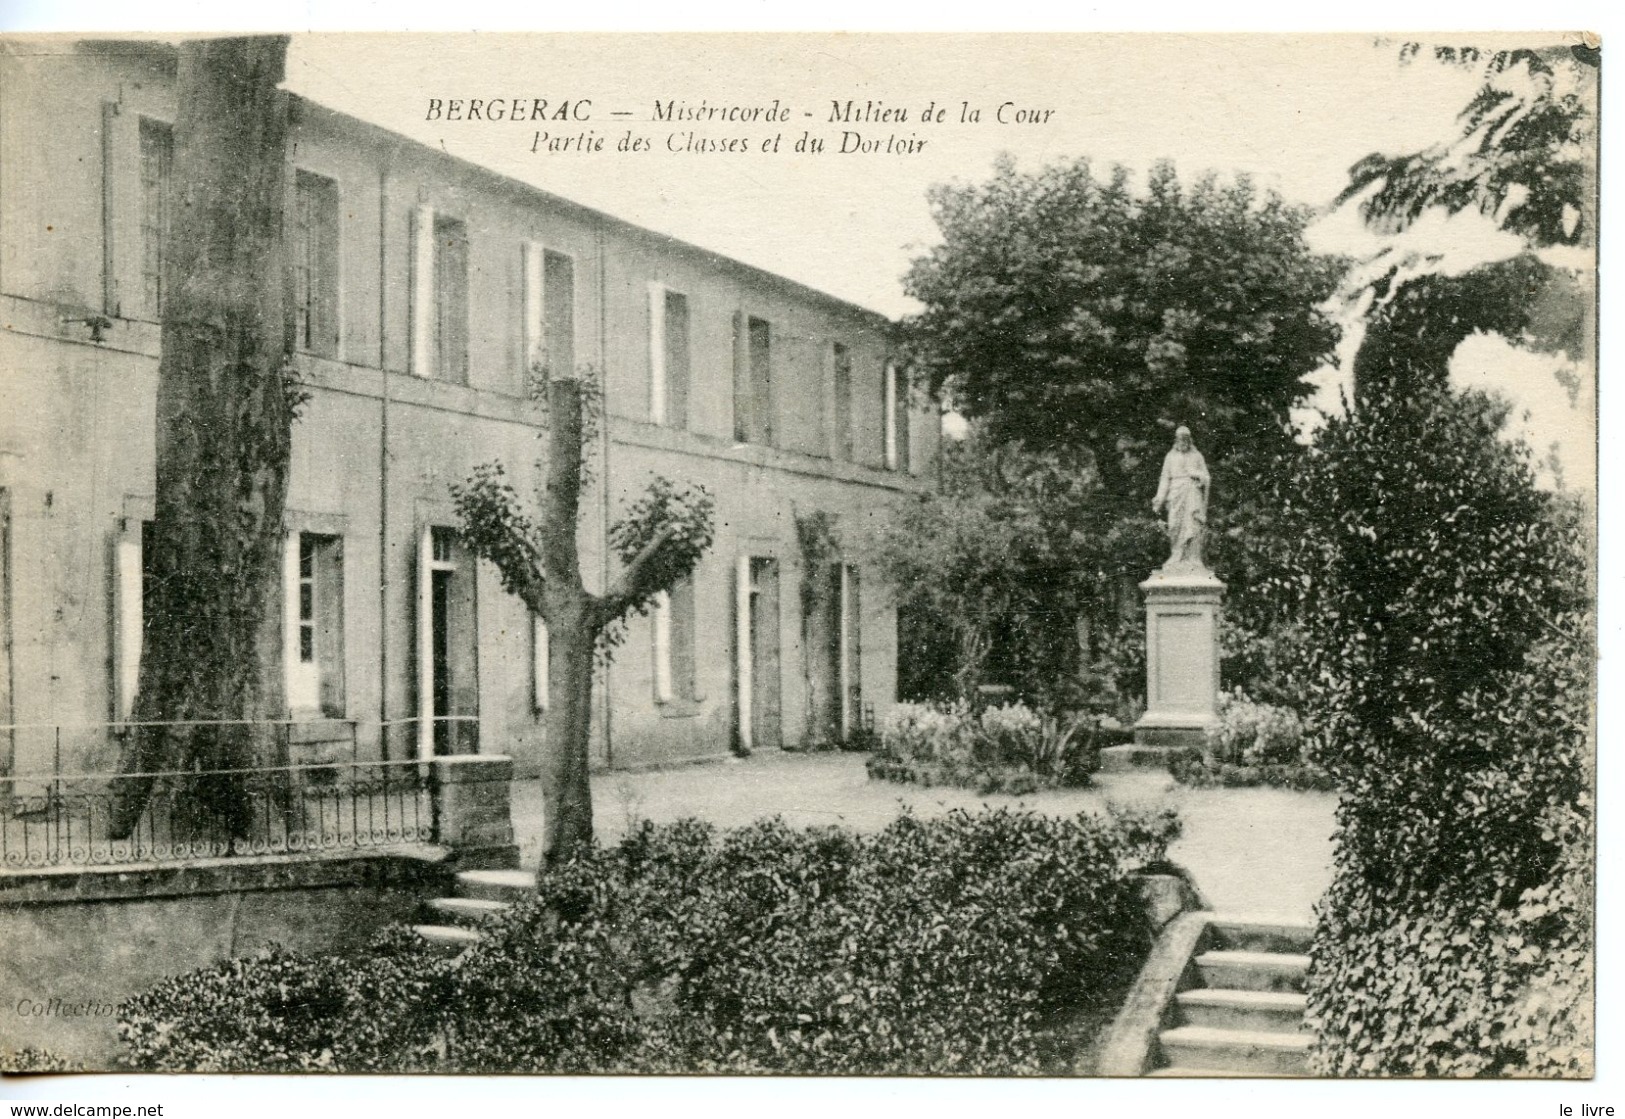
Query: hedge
(1448, 657)
(962, 944)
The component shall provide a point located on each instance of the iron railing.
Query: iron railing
(330, 804)
(68, 819)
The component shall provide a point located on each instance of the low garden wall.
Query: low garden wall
(77, 941)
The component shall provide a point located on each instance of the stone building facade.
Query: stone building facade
(424, 288)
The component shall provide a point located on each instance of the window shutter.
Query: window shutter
(425, 643)
(660, 619)
(677, 359)
(657, 353)
(535, 339)
(422, 291)
(540, 661)
(127, 622)
(742, 650)
(682, 640)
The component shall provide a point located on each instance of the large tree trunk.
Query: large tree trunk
(211, 648)
(566, 789)
(572, 633)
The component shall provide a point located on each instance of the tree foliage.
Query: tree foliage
(1067, 312)
(659, 541)
(999, 565)
(1523, 155)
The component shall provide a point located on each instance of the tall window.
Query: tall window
(448, 696)
(668, 357)
(157, 173)
(315, 260)
(896, 405)
(851, 652)
(450, 321)
(559, 310)
(842, 360)
(753, 380)
(314, 654)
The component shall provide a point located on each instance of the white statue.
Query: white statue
(1183, 491)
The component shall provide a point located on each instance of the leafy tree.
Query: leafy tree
(225, 413)
(997, 571)
(1068, 313)
(1523, 155)
(659, 541)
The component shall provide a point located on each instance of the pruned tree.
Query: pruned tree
(225, 413)
(659, 541)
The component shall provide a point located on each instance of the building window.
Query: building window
(668, 356)
(157, 174)
(559, 311)
(851, 652)
(673, 630)
(315, 261)
(753, 380)
(448, 691)
(314, 653)
(450, 344)
(841, 358)
(896, 405)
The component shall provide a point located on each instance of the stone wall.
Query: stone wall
(79, 940)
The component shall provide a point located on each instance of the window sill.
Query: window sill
(679, 708)
(309, 728)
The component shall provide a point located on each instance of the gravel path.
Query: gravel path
(1256, 851)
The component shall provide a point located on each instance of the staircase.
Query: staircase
(480, 896)
(1244, 1015)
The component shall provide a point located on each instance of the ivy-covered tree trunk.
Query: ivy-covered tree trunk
(210, 649)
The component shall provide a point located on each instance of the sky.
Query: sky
(1294, 112)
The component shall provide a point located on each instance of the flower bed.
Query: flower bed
(1009, 748)
(1251, 744)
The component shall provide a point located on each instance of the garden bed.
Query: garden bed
(1002, 749)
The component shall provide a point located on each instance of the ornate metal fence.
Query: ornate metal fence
(67, 819)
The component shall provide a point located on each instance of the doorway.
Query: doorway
(760, 699)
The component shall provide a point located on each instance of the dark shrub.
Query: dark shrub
(1448, 668)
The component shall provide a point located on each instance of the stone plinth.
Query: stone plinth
(471, 809)
(1181, 658)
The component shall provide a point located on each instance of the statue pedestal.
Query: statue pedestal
(1181, 667)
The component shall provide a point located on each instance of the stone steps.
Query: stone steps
(1239, 1051)
(1278, 1011)
(453, 938)
(481, 896)
(496, 885)
(467, 911)
(1254, 935)
(1174, 1073)
(1245, 1015)
(1252, 971)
